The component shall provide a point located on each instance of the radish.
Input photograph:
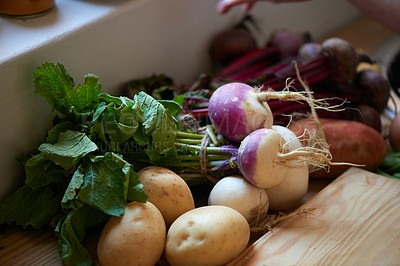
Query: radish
(265, 160)
(288, 194)
(236, 192)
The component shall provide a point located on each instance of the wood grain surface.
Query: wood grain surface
(38, 247)
(355, 222)
(28, 247)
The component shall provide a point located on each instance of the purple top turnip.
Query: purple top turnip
(235, 111)
(258, 158)
(265, 159)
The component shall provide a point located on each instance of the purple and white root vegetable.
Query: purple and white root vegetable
(258, 158)
(265, 161)
(288, 195)
(235, 111)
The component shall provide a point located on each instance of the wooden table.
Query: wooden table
(354, 221)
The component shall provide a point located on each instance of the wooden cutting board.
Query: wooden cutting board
(356, 221)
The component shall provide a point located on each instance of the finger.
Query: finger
(225, 5)
(248, 6)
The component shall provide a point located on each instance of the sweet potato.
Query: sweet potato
(350, 141)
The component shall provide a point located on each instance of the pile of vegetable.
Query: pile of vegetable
(90, 166)
(333, 69)
(253, 132)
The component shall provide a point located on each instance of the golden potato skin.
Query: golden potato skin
(167, 191)
(209, 235)
(136, 238)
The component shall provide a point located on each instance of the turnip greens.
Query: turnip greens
(79, 177)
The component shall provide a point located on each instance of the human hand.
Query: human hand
(224, 6)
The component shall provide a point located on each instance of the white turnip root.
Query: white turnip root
(258, 158)
(265, 161)
(237, 193)
(288, 194)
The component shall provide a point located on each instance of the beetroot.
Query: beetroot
(231, 44)
(344, 58)
(309, 51)
(286, 41)
(368, 115)
(375, 89)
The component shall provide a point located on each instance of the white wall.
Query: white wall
(119, 40)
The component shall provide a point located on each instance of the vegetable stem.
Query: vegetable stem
(188, 141)
(313, 156)
(212, 157)
(212, 150)
(212, 135)
(182, 134)
(194, 164)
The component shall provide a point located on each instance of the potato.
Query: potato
(167, 191)
(236, 192)
(350, 141)
(136, 238)
(209, 235)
